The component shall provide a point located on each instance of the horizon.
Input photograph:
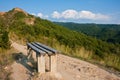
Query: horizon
(77, 11)
(88, 23)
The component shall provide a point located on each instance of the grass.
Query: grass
(110, 62)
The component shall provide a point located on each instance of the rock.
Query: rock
(6, 68)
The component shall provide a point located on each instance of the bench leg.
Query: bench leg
(41, 63)
(29, 53)
(53, 63)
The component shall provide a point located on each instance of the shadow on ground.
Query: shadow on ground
(30, 64)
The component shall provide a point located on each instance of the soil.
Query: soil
(68, 68)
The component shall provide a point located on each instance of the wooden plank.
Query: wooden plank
(41, 48)
(35, 49)
(46, 47)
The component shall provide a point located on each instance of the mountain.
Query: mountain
(22, 27)
(105, 32)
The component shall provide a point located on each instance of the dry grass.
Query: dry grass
(5, 61)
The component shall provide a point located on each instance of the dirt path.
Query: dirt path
(69, 68)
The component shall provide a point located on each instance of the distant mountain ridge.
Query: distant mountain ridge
(23, 27)
(105, 32)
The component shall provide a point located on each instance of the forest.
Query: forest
(105, 32)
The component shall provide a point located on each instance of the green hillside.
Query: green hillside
(23, 27)
(105, 32)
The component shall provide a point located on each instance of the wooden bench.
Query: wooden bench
(41, 50)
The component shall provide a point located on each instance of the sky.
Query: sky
(79, 11)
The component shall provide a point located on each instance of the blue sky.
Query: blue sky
(80, 11)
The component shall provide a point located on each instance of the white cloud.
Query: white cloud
(33, 14)
(56, 15)
(102, 17)
(86, 15)
(40, 15)
(73, 14)
(69, 14)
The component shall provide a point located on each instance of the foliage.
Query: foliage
(4, 39)
(105, 32)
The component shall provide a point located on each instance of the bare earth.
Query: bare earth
(69, 68)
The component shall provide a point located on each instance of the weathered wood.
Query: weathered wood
(47, 48)
(29, 53)
(35, 49)
(53, 63)
(42, 50)
(41, 63)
